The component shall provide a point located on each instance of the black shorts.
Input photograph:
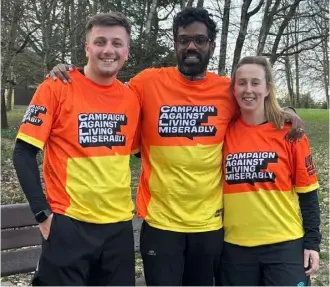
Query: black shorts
(175, 258)
(80, 253)
(280, 264)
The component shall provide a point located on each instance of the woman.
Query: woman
(271, 208)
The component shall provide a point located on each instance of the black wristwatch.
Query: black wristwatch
(42, 215)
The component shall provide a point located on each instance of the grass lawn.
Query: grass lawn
(317, 129)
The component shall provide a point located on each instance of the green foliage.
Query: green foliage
(314, 115)
(306, 102)
(9, 133)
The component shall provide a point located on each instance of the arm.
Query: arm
(26, 166)
(32, 135)
(306, 185)
(310, 212)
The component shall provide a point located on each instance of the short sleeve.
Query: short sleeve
(137, 138)
(138, 82)
(235, 110)
(305, 179)
(38, 119)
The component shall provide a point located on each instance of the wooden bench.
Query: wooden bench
(21, 239)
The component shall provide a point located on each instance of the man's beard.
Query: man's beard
(193, 70)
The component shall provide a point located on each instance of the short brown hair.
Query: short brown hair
(108, 20)
(273, 111)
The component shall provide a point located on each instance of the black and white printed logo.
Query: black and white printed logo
(32, 113)
(185, 121)
(249, 167)
(98, 129)
(310, 166)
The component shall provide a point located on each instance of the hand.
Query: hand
(297, 131)
(45, 227)
(311, 260)
(60, 71)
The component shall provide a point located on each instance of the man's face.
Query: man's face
(193, 49)
(107, 49)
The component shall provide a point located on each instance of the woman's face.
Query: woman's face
(250, 88)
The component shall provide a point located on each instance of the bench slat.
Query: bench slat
(16, 238)
(19, 215)
(19, 261)
(25, 260)
(16, 215)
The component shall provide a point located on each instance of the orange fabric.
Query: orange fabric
(262, 175)
(182, 131)
(87, 131)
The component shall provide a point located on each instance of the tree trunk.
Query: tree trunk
(140, 38)
(296, 60)
(267, 22)
(288, 16)
(223, 42)
(151, 14)
(4, 119)
(182, 4)
(241, 34)
(245, 17)
(95, 7)
(48, 12)
(190, 3)
(288, 76)
(73, 39)
(200, 4)
(326, 70)
(10, 97)
(66, 25)
(119, 6)
(9, 55)
(10, 89)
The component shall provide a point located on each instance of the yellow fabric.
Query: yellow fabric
(191, 194)
(307, 188)
(281, 215)
(182, 130)
(99, 189)
(30, 140)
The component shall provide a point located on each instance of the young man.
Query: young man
(86, 130)
(186, 111)
(185, 114)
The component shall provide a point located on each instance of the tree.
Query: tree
(245, 18)
(224, 37)
(10, 51)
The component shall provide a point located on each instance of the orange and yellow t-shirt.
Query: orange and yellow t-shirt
(262, 175)
(182, 133)
(86, 131)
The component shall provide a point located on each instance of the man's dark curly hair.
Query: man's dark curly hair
(189, 15)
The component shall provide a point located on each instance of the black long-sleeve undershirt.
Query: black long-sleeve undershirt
(26, 166)
(310, 212)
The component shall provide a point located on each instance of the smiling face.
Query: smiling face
(250, 87)
(193, 49)
(107, 49)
